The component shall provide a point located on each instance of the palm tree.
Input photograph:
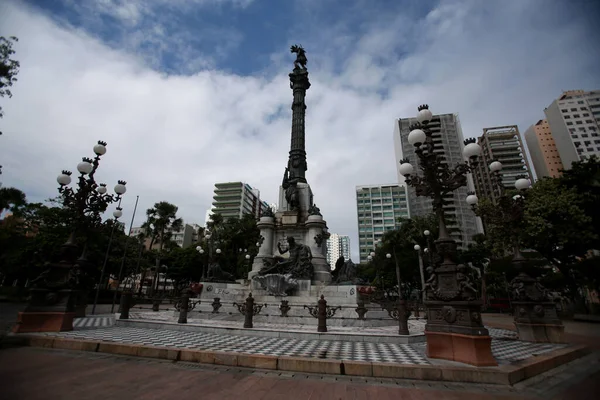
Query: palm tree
(11, 199)
(160, 223)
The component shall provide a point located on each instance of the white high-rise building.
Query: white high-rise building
(379, 208)
(574, 121)
(337, 246)
(234, 199)
(448, 141)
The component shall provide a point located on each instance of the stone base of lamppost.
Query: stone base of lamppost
(538, 322)
(48, 311)
(455, 332)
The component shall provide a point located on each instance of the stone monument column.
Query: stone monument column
(266, 225)
(299, 84)
(316, 239)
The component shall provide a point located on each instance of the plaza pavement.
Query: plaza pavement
(34, 373)
(77, 375)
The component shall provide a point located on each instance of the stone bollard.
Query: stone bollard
(322, 315)
(155, 304)
(183, 307)
(284, 308)
(248, 311)
(216, 304)
(125, 304)
(361, 310)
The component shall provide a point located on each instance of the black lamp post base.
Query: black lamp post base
(538, 322)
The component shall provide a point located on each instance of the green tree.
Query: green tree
(584, 177)
(11, 199)
(399, 243)
(235, 237)
(9, 69)
(161, 221)
(556, 224)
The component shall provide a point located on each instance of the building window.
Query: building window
(573, 109)
(589, 149)
(578, 123)
(567, 117)
(589, 121)
(576, 116)
(569, 123)
(585, 114)
(580, 102)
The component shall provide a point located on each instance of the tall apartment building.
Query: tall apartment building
(501, 143)
(337, 246)
(378, 208)
(574, 120)
(234, 199)
(542, 149)
(186, 236)
(448, 142)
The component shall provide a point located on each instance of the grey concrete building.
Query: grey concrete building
(574, 120)
(378, 209)
(501, 143)
(448, 140)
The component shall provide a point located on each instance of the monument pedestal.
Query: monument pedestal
(538, 322)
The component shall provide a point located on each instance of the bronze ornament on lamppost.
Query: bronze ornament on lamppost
(57, 290)
(535, 315)
(454, 329)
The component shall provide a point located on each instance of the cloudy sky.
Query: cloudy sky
(192, 92)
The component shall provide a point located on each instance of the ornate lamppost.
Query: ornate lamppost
(200, 250)
(421, 271)
(117, 214)
(211, 269)
(454, 327)
(534, 313)
(401, 306)
(55, 291)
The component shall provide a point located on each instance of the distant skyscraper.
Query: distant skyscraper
(542, 149)
(502, 143)
(378, 207)
(234, 199)
(574, 120)
(448, 141)
(337, 246)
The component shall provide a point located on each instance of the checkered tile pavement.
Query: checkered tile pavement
(93, 322)
(505, 351)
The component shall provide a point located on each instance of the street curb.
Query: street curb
(506, 375)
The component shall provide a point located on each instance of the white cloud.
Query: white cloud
(172, 137)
